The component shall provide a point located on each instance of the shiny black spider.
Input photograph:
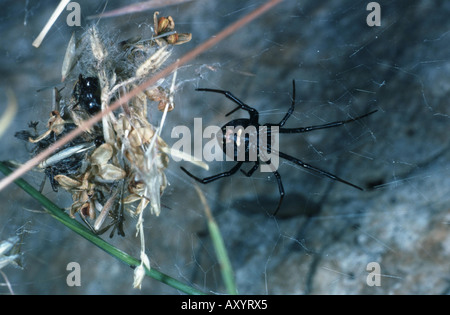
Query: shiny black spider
(245, 143)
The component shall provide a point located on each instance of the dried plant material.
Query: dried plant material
(102, 154)
(5, 247)
(55, 124)
(111, 173)
(69, 58)
(161, 96)
(105, 211)
(139, 271)
(153, 63)
(164, 32)
(181, 38)
(185, 157)
(37, 42)
(66, 182)
(98, 50)
(9, 256)
(116, 166)
(9, 113)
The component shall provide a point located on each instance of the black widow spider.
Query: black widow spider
(253, 121)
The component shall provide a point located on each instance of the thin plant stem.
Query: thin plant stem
(219, 246)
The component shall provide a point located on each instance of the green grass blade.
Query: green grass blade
(222, 256)
(219, 247)
(83, 231)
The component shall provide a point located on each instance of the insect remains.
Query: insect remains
(66, 160)
(88, 94)
(117, 166)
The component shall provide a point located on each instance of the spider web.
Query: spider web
(325, 233)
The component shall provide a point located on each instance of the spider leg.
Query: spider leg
(252, 170)
(277, 176)
(119, 218)
(281, 189)
(241, 105)
(316, 170)
(329, 125)
(291, 109)
(209, 179)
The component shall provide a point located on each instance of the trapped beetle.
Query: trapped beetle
(87, 92)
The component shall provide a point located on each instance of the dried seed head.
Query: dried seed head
(102, 154)
(153, 63)
(183, 38)
(66, 182)
(172, 39)
(140, 136)
(69, 58)
(98, 50)
(111, 173)
(165, 24)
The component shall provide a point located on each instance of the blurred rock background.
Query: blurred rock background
(325, 233)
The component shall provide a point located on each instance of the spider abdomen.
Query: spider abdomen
(239, 140)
